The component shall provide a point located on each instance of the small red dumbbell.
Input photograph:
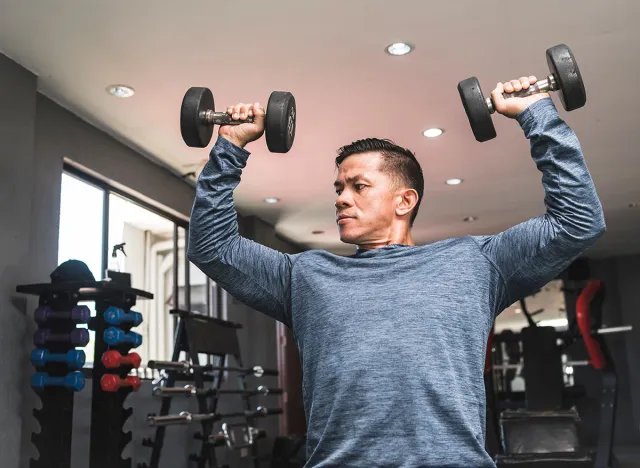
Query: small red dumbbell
(113, 359)
(112, 383)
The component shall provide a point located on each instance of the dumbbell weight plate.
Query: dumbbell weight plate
(280, 123)
(563, 65)
(475, 106)
(196, 133)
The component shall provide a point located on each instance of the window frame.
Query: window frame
(108, 189)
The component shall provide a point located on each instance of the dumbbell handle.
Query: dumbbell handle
(183, 418)
(542, 86)
(623, 328)
(221, 118)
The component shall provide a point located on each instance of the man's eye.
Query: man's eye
(360, 186)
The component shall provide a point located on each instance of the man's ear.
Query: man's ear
(408, 199)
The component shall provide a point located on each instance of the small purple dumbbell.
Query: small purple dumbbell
(79, 314)
(77, 337)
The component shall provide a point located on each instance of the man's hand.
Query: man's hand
(511, 107)
(244, 133)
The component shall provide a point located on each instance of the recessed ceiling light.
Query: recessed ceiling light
(634, 205)
(317, 232)
(399, 48)
(470, 219)
(454, 181)
(433, 132)
(122, 91)
(271, 200)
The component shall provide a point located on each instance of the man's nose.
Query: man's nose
(342, 201)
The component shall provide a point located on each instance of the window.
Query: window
(108, 228)
(80, 236)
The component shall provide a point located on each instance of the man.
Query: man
(392, 339)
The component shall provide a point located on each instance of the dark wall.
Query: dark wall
(36, 135)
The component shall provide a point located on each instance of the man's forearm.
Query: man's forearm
(213, 217)
(570, 195)
(252, 273)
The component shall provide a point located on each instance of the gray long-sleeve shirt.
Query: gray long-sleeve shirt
(392, 341)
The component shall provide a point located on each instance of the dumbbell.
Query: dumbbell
(198, 116)
(113, 359)
(74, 381)
(79, 314)
(116, 316)
(112, 383)
(77, 337)
(113, 336)
(565, 78)
(74, 358)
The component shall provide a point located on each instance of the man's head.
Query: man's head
(379, 186)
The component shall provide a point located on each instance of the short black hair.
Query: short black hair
(397, 161)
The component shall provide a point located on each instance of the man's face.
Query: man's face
(365, 204)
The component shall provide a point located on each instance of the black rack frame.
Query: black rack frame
(107, 409)
(199, 334)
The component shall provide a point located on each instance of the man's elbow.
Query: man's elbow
(600, 226)
(197, 251)
(193, 255)
(594, 228)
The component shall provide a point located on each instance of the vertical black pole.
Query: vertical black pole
(105, 234)
(187, 275)
(176, 299)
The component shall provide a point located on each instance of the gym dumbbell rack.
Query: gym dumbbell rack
(56, 414)
(198, 334)
(55, 417)
(108, 414)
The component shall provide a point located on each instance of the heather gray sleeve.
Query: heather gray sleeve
(252, 273)
(532, 253)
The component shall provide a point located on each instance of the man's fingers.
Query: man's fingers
(497, 97)
(258, 111)
(508, 87)
(517, 86)
(524, 82)
(236, 111)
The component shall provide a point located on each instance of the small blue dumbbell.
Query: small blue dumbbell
(116, 316)
(113, 336)
(74, 358)
(74, 381)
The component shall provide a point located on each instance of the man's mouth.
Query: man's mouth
(343, 218)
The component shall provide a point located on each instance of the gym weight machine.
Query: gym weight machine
(545, 396)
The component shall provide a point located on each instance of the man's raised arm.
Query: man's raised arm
(252, 273)
(534, 252)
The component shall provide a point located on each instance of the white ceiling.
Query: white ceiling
(330, 55)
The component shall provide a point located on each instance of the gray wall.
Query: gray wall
(17, 137)
(36, 135)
